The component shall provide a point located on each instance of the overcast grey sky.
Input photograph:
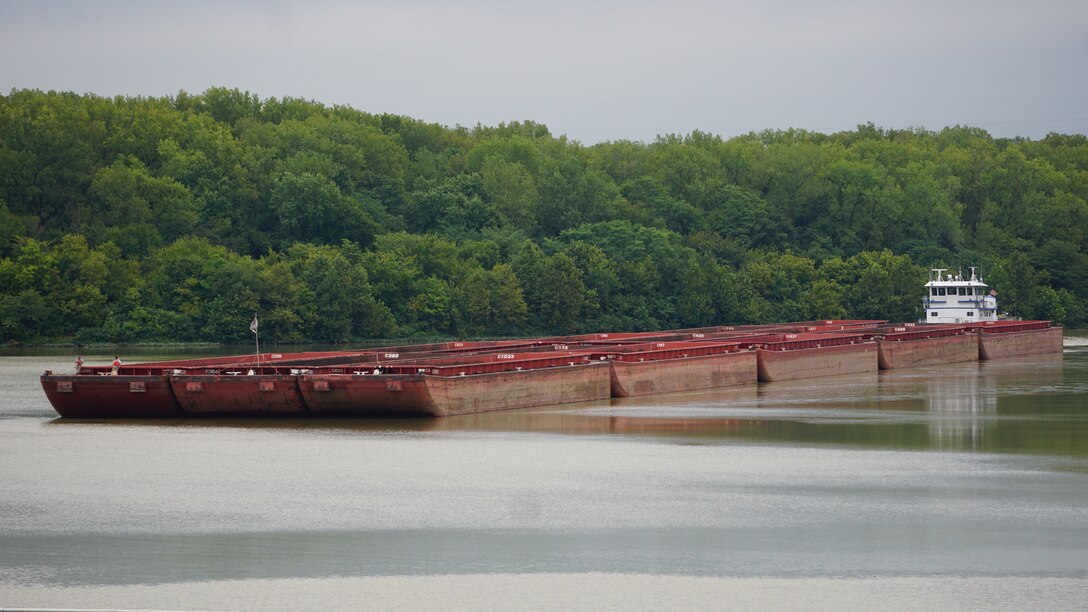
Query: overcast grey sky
(594, 70)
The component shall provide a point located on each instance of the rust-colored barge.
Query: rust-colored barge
(449, 386)
(468, 377)
(127, 396)
(668, 367)
(796, 356)
(1001, 339)
(925, 345)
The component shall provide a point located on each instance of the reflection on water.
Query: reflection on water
(960, 404)
(963, 403)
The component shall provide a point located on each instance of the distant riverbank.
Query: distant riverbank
(210, 348)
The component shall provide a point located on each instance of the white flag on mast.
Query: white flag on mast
(253, 325)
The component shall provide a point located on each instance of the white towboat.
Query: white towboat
(954, 298)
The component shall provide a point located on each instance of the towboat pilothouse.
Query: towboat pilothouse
(952, 298)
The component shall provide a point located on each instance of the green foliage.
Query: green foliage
(311, 208)
(136, 219)
(455, 207)
(338, 294)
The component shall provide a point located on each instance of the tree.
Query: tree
(562, 294)
(493, 301)
(511, 188)
(311, 208)
(454, 207)
(343, 302)
(127, 194)
(571, 195)
(433, 307)
(888, 287)
(675, 214)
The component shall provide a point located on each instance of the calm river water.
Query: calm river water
(960, 487)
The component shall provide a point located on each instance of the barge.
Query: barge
(798, 356)
(461, 377)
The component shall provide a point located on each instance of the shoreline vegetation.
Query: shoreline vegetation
(172, 221)
(369, 341)
(242, 348)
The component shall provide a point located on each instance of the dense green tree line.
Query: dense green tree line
(138, 219)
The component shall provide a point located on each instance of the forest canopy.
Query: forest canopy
(177, 218)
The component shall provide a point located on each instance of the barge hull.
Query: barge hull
(111, 397)
(425, 395)
(1020, 344)
(895, 354)
(630, 379)
(816, 362)
(218, 395)
(453, 395)
(364, 395)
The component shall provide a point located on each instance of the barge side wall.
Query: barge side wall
(1019, 344)
(218, 395)
(816, 362)
(631, 379)
(927, 351)
(507, 390)
(364, 395)
(111, 397)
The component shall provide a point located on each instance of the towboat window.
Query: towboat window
(933, 313)
(940, 290)
(933, 291)
(963, 290)
(970, 313)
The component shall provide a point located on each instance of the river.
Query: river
(962, 486)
